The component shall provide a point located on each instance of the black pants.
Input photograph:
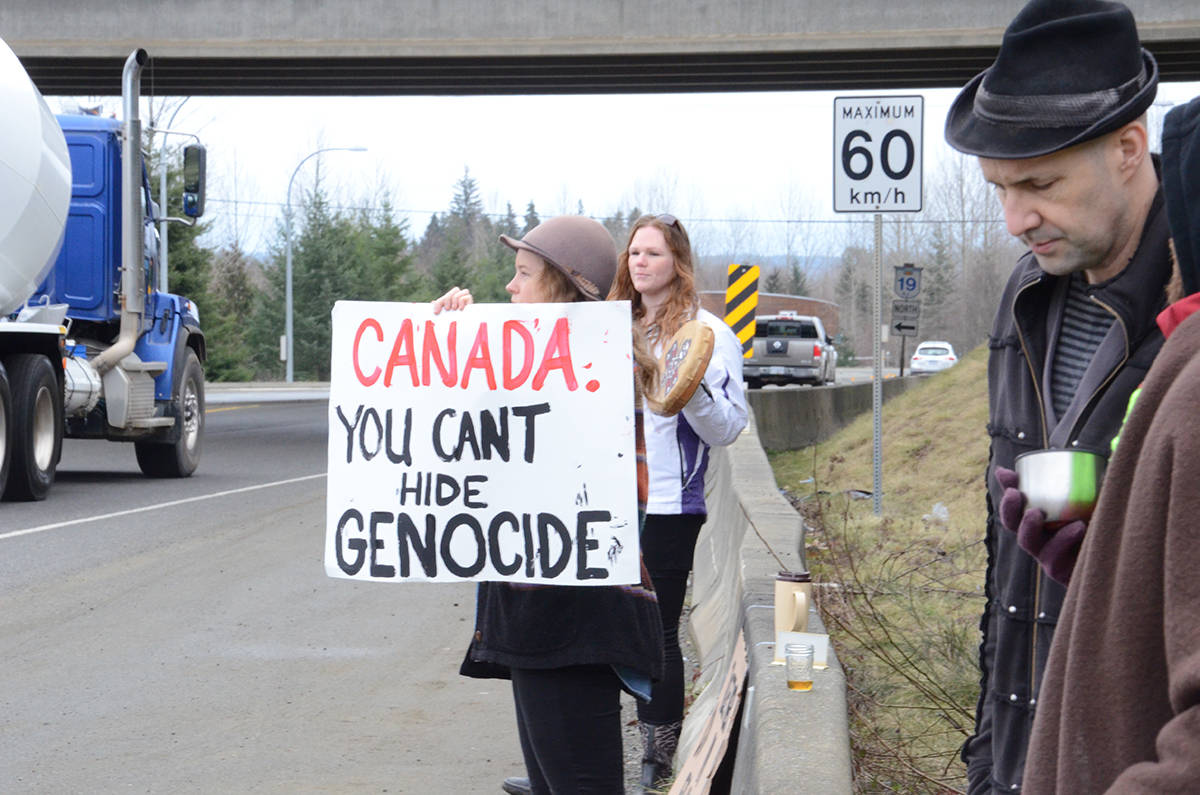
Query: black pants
(668, 544)
(569, 722)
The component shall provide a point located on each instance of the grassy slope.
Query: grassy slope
(904, 590)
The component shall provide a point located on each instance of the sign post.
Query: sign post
(877, 168)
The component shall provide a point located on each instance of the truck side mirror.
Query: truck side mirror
(193, 180)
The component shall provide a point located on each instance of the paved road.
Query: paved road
(197, 646)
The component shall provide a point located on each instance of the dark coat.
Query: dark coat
(1121, 706)
(520, 625)
(1022, 604)
(554, 626)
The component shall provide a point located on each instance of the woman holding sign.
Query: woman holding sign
(569, 650)
(656, 273)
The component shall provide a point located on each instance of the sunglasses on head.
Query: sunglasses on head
(667, 219)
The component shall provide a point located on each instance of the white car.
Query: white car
(932, 356)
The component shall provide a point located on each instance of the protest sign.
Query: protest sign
(494, 443)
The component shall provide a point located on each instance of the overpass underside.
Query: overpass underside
(378, 47)
(549, 74)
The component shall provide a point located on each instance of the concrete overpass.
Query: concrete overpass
(380, 47)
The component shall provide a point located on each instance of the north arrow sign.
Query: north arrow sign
(905, 329)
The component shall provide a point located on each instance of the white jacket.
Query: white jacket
(677, 447)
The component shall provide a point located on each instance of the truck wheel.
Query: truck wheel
(180, 458)
(6, 426)
(37, 426)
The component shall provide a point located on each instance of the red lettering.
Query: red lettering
(480, 358)
(557, 357)
(513, 381)
(431, 351)
(366, 380)
(398, 357)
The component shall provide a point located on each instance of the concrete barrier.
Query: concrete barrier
(789, 419)
(787, 741)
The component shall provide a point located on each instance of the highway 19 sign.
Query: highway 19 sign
(877, 160)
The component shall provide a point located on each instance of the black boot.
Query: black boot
(659, 742)
(516, 786)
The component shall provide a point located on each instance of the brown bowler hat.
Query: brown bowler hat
(579, 247)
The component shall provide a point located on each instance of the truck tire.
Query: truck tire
(180, 458)
(6, 427)
(37, 426)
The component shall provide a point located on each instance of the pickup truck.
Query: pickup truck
(790, 349)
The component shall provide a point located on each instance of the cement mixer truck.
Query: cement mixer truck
(88, 347)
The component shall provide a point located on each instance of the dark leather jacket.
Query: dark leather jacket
(1022, 603)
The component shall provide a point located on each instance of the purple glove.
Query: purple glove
(1056, 548)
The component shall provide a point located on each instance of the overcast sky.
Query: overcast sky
(708, 158)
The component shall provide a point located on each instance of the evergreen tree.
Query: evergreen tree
(774, 282)
(531, 218)
(388, 261)
(450, 269)
(938, 287)
(797, 278)
(466, 206)
(225, 325)
(508, 226)
(334, 257)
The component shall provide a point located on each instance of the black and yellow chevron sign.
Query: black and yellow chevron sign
(741, 299)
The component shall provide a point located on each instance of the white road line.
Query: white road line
(172, 503)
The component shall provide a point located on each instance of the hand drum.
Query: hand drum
(684, 360)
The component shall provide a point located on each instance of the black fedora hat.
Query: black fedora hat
(1068, 71)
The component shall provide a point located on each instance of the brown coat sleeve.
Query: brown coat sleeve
(1169, 484)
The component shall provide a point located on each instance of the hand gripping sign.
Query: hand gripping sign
(495, 443)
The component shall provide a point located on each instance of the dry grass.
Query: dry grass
(902, 592)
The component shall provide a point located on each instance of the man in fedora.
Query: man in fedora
(1120, 706)
(1058, 123)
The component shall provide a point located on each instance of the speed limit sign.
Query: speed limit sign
(877, 154)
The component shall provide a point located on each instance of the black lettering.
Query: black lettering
(437, 435)
(405, 490)
(444, 481)
(493, 437)
(546, 521)
(362, 435)
(379, 569)
(527, 530)
(407, 538)
(530, 413)
(498, 521)
(405, 454)
(585, 544)
(469, 492)
(349, 430)
(466, 435)
(481, 546)
(356, 544)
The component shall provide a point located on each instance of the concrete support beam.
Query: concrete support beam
(540, 46)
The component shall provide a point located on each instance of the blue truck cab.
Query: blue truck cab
(88, 347)
(87, 274)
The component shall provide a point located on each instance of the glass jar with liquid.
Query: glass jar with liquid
(798, 659)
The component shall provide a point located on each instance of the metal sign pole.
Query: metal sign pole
(877, 167)
(877, 381)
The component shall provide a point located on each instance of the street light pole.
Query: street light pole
(288, 235)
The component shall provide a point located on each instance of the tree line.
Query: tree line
(369, 253)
